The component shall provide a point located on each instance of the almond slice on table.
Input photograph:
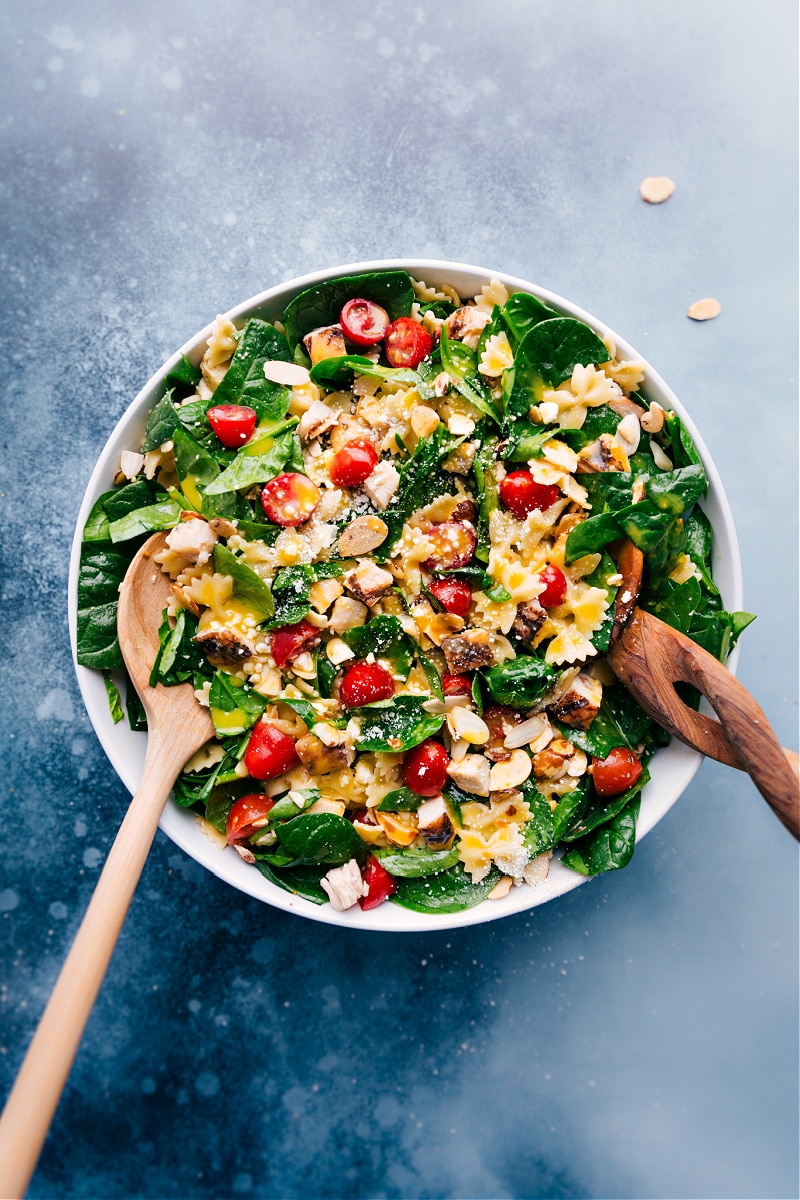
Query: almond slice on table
(704, 310)
(655, 189)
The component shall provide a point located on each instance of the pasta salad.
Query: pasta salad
(391, 523)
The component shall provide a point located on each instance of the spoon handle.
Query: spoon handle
(650, 657)
(35, 1095)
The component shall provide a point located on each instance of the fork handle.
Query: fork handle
(650, 657)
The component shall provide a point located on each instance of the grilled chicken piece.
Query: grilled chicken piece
(368, 583)
(382, 484)
(471, 774)
(580, 705)
(222, 648)
(529, 620)
(346, 614)
(316, 420)
(319, 758)
(435, 825)
(467, 651)
(325, 342)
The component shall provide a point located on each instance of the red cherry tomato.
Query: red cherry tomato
(290, 499)
(407, 343)
(232, 423)
(364, 322)
(555, 587)
(247, 816)
(365, 683)
(380, 883)
(456, 685)
(521, 494)
(354, 463)
(269, 752)
(289, 640)
(454, 545)
(615, 773)
(454, 595)
(425, 768)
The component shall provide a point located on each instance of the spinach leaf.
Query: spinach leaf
(676, 491)
(248, 587)
(234, 707)
(184, 377)
(539, 832)
(101, 571)
(323, 303)
(126, 499)
(166, 514)
(254, 465)
(161, 424)
(591, 536)
(451, 891)
(397, 725)
(521, 312)
(245, 383)
(384, 637)
(114, 699)
(304, 709)
(96, 527)
(197, 469)
(291, 590)
(98, 644)
(137, 718)
(609, 849)
(521, 682)
(415, 862)
(525, 441)
(179, 659)
(421, 477)
(335, 374)
(300, 881)
(320, 838)
(621, 721)
(600, 812)
(599, 578)
(676, 603)
(488, 490)
(221, 800)
(258, 531)
(461, 364)
(570, 808)
(698, 545)
(401, 800)
(658, 534)
(679, 446)
(547, 355)
(326, 674)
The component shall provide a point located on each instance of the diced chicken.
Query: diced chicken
(325, 342)
(529, 620)
(362, 535)
(346, 614)
(580, 705)
(222, 648)
(194, 540)
(344, 885)
(382, 484)
(466, 321)
(471, 774)
(367, 583)
(467, 651)
(316, 420)
(323, 593)
(434, 822)
(319, 758)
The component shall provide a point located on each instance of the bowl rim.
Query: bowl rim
(673, 767)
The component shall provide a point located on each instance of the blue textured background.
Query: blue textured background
(638, 1037)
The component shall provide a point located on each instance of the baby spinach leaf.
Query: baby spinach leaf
(539, 831)
(421, 477)
(300, 881)
(599, 578)
(100, 573)
(658, 534)
(398, 725)
(326, 674)
(304, 709)
(184, 377)
(250, 467)
(461, 364)
(415, 862)
(161, 424)
(680, 446)
(196, 787)
(525, 441)
(291, 590)
(609, 849)
(97, 641)
(601, 812)
(384, 637)
(676, 603)
(451, 891)
(569, 808)
(248, 587)
(676, 491)
(335, 374)
(698, 545)
(244, 382)
(137, 718)
(179, 659)
(488, 490)
(400, 800)
(114, 698)
(320, 838)
(521, 682)
(234, 707)
(521, 312)
(96, 527)
(432, 676)
(621, 721)
(126, 499)
(591, 536)
(323, 303)
(221, 800)
(547, 356)
(166, 514)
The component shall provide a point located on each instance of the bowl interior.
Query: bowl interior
(671, 769)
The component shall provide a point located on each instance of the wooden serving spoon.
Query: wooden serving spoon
(650, 657)
(177, 727)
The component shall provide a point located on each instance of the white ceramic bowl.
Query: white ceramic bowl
(671, 768)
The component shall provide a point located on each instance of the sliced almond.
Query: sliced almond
(288, 374)
(535, 732)
(704, 310)
(655, 189)
(510, 774)
(466, 725)
(362, 535)
(628, 433)
(400, 828)
(501, 888)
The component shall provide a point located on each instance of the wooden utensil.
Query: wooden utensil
(650, 657)
(177, 727)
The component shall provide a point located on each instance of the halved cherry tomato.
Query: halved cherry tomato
(365, 683)
(247, 816)
(290, 499)
(407, 343)
(555, 587)
(354, 463)
(380, 883)
(364, 322)
(521, 494)
(454, 545)
(454, 595)
(615, 773)
(425, 768)
(232, 423)
(269, 752)
(290, 640)
(456, 685)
